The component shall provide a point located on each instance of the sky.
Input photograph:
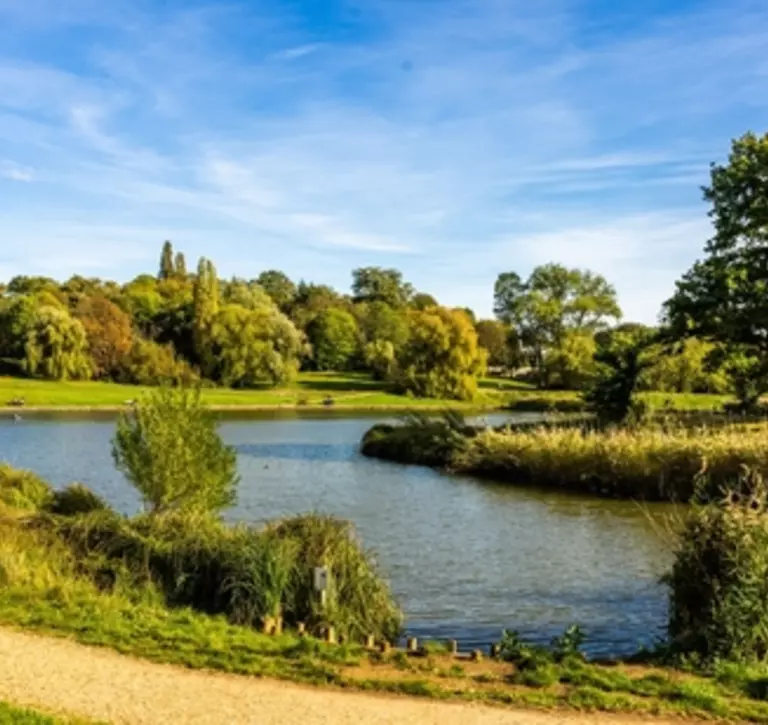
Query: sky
(451, 139)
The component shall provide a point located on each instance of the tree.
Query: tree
(279, 287)
(167, 268)
(380, 358)
(442, 358)
(378, 321)
(56, 346)
(724, 297)
(247, 294)
(621, 358)
(150, 363)
(688, 366)
(500, 340)
(571, 366)
(16, 316)
(422, 301)
(169, 448)
(109, 333)
(553, 301)
(335, 339)
(374, 284)
(311, 300)
(248, 347)
(205, 297)
(180, 266)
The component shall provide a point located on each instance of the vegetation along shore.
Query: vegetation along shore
(175, 584)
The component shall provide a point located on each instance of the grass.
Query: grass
(11, 715)
(43, 590)
(349, 391)
(650, 462)
(661, 461)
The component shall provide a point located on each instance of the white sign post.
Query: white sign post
(321, 583)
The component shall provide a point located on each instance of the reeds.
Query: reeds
(648, 462)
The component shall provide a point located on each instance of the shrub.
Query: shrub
(718, 600)
(242, 572)
(418, 439)
(169, 448)
(22, 489)
(75, 499)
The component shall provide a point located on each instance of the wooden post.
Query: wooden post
(330, 635)
(412, 645)
(301, 628)
(370, 642)
(453, 647)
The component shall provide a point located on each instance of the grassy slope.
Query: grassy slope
(11, 715)
(347, 390)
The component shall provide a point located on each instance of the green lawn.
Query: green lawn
(348, 391)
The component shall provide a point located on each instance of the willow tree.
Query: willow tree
(205, 304)
(442, 358)
(56, 346)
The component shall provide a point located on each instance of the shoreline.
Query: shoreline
(263, 408)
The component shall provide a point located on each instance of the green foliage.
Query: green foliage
(74, 500)
(442, 358)
(23, 490)
(169, 448)
(16, 318)
(150, 363)
(689, 366)
(380, 358)
(245, 347)
(167, 267)
(501, 342)
(334, 336)
(418, 439)
(374, 284)
(723, 297)
(56, 346)
(719, 581)
(552, 302)
(279, 287)
(180, 266)
(621, 357)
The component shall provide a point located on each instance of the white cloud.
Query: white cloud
(14, 172)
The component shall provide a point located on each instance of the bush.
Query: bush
(245, 573)
(718, 601)
(169, 448)
(23, 489)
(418, 439)
(75, 499)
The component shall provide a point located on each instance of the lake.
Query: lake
(465, 558)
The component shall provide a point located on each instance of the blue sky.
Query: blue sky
(453, 139)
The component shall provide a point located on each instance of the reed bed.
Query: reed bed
(654, 463)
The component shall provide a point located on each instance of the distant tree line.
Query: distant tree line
(557, 328)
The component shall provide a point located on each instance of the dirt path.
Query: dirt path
(63, 676)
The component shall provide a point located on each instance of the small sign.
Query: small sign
(321, 578)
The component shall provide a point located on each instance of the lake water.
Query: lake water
(465, 558)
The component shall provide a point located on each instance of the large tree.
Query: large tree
(442, 358)
(551, 305)
(724, 297)
(500, 340)
(335, 339)
(56, 346)
(279, 287)
(246, 347)
(375, 284)
(109, 332)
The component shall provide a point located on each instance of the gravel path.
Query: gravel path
(62, 676)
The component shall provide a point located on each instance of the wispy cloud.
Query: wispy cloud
(455, 139)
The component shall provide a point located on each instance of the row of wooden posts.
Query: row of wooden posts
(273, 625)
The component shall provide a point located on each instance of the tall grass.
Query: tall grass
(649, 462)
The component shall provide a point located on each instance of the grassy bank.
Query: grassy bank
(163, 590)
(12, 715)
(654, 463)
(348, 391)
